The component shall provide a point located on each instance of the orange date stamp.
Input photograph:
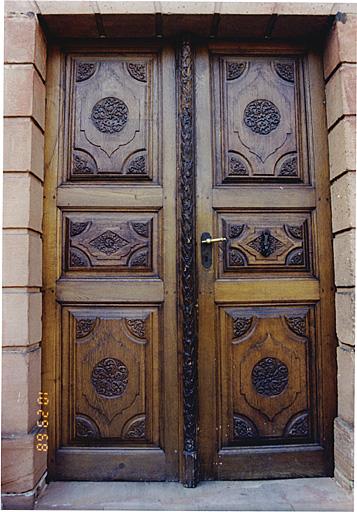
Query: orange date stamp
(42, 437)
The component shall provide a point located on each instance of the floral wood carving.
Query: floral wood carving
(187, 260)
(83, 164)
(285, 71)
(108, 242)
(298, 426)
(235, 69)
(86, 428)
(136, 430)
(235, 230)
(136, 327)
(243, 428)
(137, 165)
(76, 259)
(241, 326)
(139, 259)
(297, 324)
(141, 228)
(266, 244)
(235, 258)
(76, 228)
(295, 257)
(137, 70)
(85, 70)
(110, 377)
(110, 115)
(270, 376)
(236, 167)
(294, 231)
(261, 116)
(289, 167)
(84, 326)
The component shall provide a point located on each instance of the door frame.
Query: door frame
(187, 330)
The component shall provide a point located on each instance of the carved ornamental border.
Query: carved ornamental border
(187, 257)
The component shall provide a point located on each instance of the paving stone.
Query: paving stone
(314, 494)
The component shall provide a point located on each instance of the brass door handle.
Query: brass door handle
(206, 248)
(213, 240)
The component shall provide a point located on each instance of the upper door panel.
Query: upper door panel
(260, 123)
(112, 109)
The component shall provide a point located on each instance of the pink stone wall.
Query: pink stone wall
(23, 466)
(340, 76)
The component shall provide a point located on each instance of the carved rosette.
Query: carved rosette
(85, 70)
(108, 242)
(110, 378)
(285, 71)
(187, 259)
(110, 115)
(136, 430)
(244, 428)
(84, 326)
(138, 70)
(234, 70)
(297, 324)
(86, 428)
(298, 426)
(289, 167)
(261, 116)
(270, 377)
(241, 326)
(236, 167)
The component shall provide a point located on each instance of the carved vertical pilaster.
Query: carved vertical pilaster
(187, 257)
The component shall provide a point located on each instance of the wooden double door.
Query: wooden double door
(167, 357)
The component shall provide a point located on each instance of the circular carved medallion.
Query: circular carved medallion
(110, 377)
(270, 376)
(261, 116)
(110, 115)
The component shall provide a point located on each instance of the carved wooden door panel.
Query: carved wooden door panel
(266, 331)
(110, 279)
